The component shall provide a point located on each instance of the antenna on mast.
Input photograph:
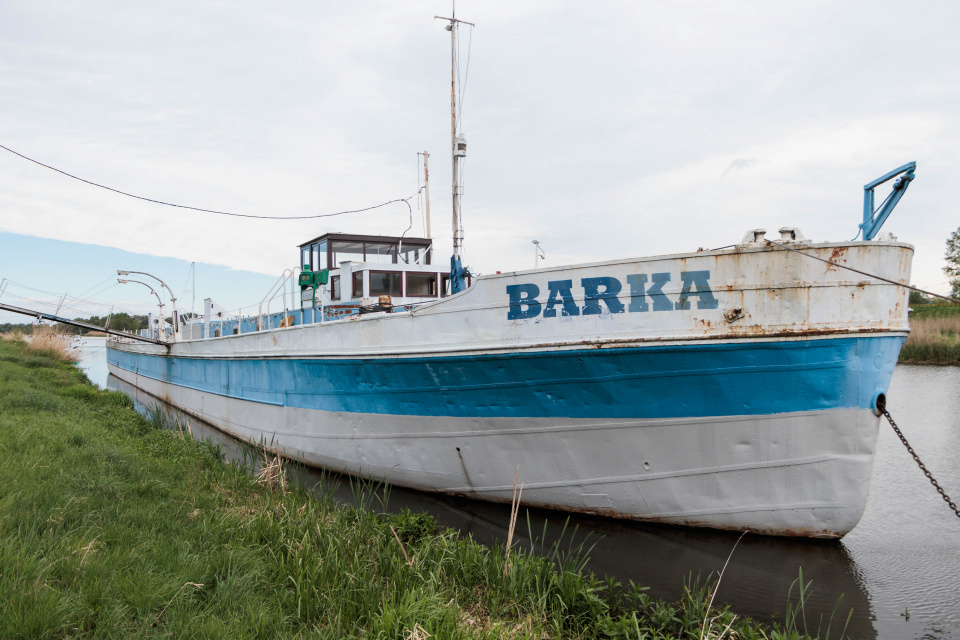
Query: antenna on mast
(458, 275)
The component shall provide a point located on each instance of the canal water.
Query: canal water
(898, 570)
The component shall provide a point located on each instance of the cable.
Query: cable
(104, 281)
(222, 213)
(65, 305)
(184, 290)
(466, 75)
(65, 297)
(864, 273)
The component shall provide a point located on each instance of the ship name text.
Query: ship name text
(607, 294)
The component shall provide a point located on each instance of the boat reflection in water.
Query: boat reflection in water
(755, 584)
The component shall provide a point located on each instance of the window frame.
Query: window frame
(335, 288)
(406, 283)
(353, 284)
(386, 272)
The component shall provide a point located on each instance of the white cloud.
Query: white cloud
(602, 131)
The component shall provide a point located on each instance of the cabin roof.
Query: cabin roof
(349, 237)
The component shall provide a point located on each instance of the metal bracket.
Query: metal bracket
(874, 219)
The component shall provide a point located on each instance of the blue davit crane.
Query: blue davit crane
(874, 219)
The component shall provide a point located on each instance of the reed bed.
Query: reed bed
(46, 340)
(933, 339)
(117, 525)
(13, 336)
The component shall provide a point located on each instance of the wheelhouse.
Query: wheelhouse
(362, 269)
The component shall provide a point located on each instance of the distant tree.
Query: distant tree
(917, 298)
(953, 262)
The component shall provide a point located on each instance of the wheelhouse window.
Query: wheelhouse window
(304, 255)
(415, 254)
(320, 256)
(386, 283)
(358, 284)
(422, 285)
(342, 251)
(380, 252)
(335, 288)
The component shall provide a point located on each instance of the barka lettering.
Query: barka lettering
(560, 292)
(604, 291)
(699, 280)
(592, 295)
(523, 295)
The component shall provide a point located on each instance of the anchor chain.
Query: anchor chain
(881, 405)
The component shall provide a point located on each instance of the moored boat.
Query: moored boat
(731, 389)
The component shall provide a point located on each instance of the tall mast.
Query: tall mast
(457, 240)
(426, 188)
(458, 149)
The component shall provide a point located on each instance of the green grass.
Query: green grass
(113, 525)
(934, 336)
(936, 310)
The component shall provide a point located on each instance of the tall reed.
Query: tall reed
(934, 339)
(46, 340)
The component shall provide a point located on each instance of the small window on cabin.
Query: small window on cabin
(304, 256)
(358, 284)
(422, 284)
(315, 262)
(343, 251)
(322, 253)
(380, 252)
(386, 283)
(335, 288)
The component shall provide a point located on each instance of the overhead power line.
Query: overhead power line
(222, 213)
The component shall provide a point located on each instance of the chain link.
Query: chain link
(926, 472)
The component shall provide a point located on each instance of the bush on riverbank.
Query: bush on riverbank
(934, 336)
(113, 527)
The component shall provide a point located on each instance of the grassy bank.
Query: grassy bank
(111, 526)
(934, 335)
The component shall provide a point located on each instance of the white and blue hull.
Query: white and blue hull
(759, 419)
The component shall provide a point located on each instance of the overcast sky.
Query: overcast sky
(604, 130)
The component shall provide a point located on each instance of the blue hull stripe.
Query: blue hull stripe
(750, 378)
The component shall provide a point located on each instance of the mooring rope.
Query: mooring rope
(864, 273)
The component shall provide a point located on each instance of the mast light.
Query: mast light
(460, 147)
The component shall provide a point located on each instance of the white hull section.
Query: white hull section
(804, 473)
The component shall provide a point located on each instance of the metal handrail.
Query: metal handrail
(286, 276)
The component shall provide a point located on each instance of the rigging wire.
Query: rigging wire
(466, 76)
(222, 213)
(187, 282)
(864, 273)
(66, 297)
(105, 289)
(55, 304)
(104, 281)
